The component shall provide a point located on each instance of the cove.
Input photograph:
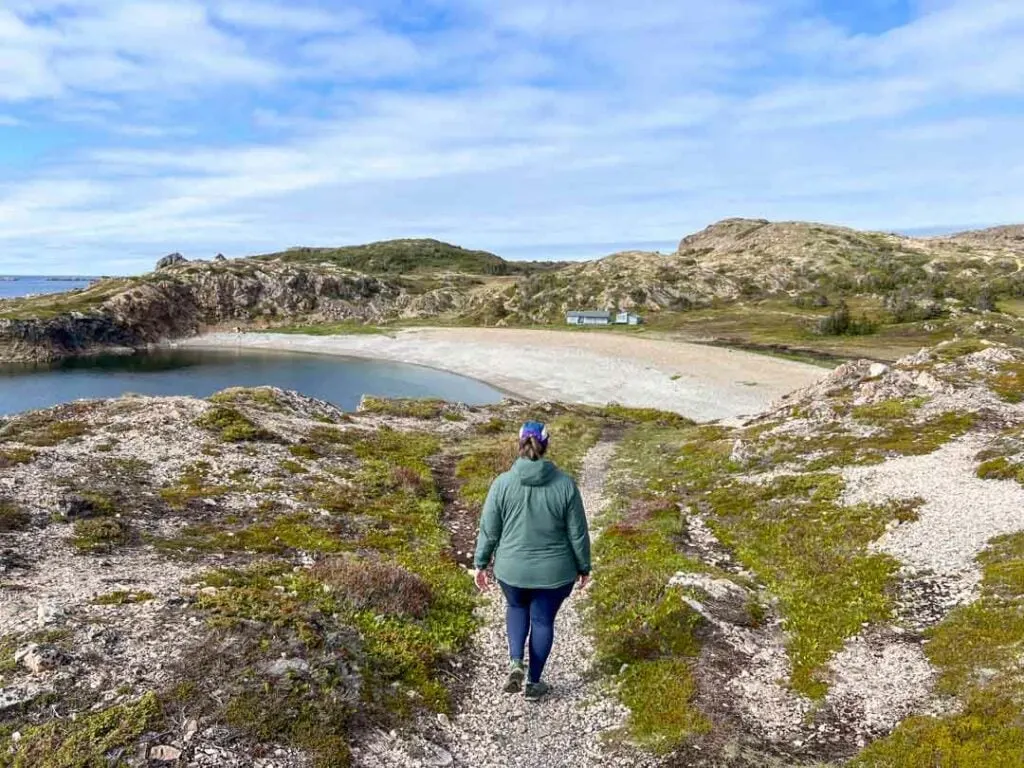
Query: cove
(200, 373)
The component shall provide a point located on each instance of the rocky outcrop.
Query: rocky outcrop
(180, 302)
(170, 260)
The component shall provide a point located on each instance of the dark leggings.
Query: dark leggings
(533, 611)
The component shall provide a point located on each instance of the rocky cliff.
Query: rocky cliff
(181, 299)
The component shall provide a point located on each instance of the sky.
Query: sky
(535, 129)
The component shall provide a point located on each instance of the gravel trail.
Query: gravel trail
(495, 730)
(961, 514)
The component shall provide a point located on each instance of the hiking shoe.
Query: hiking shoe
(536, 691)
(516, 675)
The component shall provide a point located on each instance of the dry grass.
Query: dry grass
(373, 585)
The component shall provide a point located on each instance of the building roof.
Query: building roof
(596, 314)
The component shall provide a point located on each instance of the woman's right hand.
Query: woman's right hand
(583, 580)
(480, 579)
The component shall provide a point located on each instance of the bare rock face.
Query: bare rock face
(170, 260)
(181, 302)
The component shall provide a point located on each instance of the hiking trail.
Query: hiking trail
(491, 729)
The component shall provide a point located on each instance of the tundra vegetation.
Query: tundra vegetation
(287, 576)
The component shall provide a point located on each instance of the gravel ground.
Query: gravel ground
(495, 730)
(701, 382)
(961, 514)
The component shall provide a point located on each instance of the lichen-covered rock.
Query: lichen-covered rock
(171, 260)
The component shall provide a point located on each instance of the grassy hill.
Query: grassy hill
(402, 257)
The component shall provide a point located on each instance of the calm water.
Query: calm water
(25, 286)
(200, 373)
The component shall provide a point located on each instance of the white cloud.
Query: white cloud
(502, 125)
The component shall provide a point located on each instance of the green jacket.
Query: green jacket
(534, 525)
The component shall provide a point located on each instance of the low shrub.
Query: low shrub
(12, 518)
(233, 426)
(100, 534)
(376, 585)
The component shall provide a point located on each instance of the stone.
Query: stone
(220, 257)
(40, 658)
(164, 753)
(723, 599)
(878, 369)
(15, 697)
(48, 613)
(170, 260)
(283, 667)
(190, 730)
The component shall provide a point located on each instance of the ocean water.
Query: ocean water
(12, 287)
(200, 373)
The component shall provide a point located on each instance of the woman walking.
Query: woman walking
(534, 525)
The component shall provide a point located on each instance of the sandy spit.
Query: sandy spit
(702, 382)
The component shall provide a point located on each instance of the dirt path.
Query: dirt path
(495, 730)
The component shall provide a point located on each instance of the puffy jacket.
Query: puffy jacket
(535, 526)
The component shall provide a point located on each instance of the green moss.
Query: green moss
(811, 550)
(11, 457)
(12, 517)
(193, 484)
(652, 416)
(888, 410)
(261, 397)
(411, 408)
(122, 597)
(635, 618)
(289, 533)
(304, 451)
(292, 467)
(1001, 468)
(827, 449)
(101, 534)
(660, 696)
(87, 741)
(976, 649)
(494, 426)
(42, 429)
(1008, 383)
(482, 461)
(953, 350)
(233, 426)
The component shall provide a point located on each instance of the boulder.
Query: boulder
(40, 658)
(220, 257)
(170, 260)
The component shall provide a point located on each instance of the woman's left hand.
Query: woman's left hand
(480, 579)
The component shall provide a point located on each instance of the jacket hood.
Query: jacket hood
(533, 472)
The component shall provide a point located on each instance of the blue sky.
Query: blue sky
(535, 128)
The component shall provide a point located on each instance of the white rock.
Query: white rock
(48, 613)
(164, 753)
(878, 369)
